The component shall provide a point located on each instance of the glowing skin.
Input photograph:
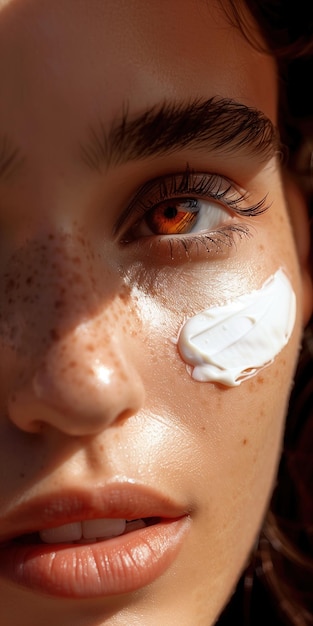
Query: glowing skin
(232, 342)
(98, 420)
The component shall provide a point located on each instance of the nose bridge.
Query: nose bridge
(78, 377)
(49, 285)
(66, 268)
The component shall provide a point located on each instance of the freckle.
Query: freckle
(54, 334)
(244, 442)
(101, 447)
(90, 347)
(10, 285)
(250, 385)
(260, 380)
(76, 277)
(58, 304)
(22, 475)
(76, 260)
(72, 364)
(51, 236)
(29, 280)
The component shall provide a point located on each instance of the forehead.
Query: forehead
(85, 58)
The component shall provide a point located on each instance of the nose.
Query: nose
(78, 389)
(83, 380)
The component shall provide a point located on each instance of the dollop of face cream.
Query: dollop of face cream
(230, 343)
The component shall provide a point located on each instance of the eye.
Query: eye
(187, 214)
(180, 216)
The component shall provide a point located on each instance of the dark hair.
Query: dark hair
(286, 26)
(277, 586)
(287, 29)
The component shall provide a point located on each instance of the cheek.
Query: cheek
(232, 342)
(225, 441)
(234, 450)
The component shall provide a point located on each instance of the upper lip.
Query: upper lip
(118, 500)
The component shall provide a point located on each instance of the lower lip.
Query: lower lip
(114, 566)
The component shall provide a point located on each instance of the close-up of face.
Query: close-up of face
(153, 297)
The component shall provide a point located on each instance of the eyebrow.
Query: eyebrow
(219, 124)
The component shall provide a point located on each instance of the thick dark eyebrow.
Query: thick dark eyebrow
(218, 124)
(10, 158)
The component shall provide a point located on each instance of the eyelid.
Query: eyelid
(188, 184)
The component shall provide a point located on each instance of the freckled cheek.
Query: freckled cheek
(256, 430)
(235, 439)
(219, 419)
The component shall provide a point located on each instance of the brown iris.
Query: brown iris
(171, 217)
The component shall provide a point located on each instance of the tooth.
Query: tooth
(103, 528)
(135, 525)
(60, 534)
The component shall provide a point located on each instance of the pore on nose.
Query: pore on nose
(79, 388)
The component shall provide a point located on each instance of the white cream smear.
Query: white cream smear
(230, 343)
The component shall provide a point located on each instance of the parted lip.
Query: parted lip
(122, 500)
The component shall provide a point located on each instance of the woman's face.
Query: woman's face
(100, 268)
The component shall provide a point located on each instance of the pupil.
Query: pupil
(170, 212)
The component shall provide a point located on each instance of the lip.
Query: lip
(112, 566)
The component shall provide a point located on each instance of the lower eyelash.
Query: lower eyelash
(212, 243)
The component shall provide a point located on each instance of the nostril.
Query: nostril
(23, 413)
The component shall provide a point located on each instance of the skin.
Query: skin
(111, 399)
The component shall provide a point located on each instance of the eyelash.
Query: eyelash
(187, 187)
